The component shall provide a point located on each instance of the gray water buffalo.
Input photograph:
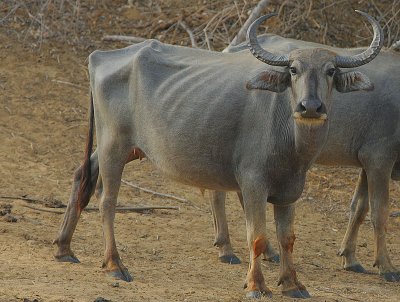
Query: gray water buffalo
(215, 121)
(364, 132)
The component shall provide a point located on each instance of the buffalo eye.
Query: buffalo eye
(331, 71)
(293, 70)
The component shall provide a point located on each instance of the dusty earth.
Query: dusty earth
(44, 100)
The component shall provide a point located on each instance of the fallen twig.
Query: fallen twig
(183, 200)
(120, 38)
(67, 83)
(153, 192)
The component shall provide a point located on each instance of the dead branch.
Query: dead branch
(23, 198)
(129, 39)
(3, 20)
(190, 33)
(207, 40)
(118, 209)
(395, 46)
(241, 36)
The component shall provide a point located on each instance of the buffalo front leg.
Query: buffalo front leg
(378, 191)
(270, 254)
(257, 242)
(358, 210)
(284, 220)
(112, 159)
(63, 241)
(222, 240)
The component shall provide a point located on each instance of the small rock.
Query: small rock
(115, 284)
(6, 210)
(52, 202)
(10, 218)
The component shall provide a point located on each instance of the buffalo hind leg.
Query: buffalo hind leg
(284, 220)
(358, 210)
(111, 172)
(222, 240)
(64, 252)
(270, 254)
(378, 191)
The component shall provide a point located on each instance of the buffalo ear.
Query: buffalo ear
(352, 81)
(271, 80)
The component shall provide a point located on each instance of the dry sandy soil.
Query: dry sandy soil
(44, 100)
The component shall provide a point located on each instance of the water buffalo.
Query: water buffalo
(215, 121)
(364, 132)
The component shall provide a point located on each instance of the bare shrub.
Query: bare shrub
(212, 24)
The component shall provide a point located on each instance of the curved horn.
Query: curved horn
(370, 53)
(258, 51)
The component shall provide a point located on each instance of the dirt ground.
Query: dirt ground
(44, 100)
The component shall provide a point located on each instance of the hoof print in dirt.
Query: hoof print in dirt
(29, 300)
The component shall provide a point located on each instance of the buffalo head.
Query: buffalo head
(311, 74)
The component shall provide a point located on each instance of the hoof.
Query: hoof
(357, 268)
(231, 259)
(255, 294)
(296, 293)
(121, 275)
(274, 259)
(391, 276)
(101, 299)
(67, 258)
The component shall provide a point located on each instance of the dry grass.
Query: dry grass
(212, 24)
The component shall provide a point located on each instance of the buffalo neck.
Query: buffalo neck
(309, 139)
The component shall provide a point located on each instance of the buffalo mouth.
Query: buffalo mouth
(322, 117)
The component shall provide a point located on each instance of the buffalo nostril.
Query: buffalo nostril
(311, 105)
